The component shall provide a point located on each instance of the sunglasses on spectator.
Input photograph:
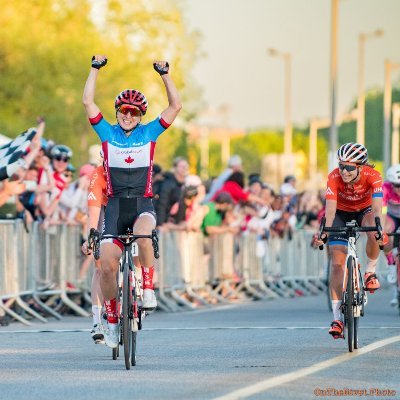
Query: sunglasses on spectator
(396, 185)
(61, 158)
(348, 168)
(68, 174)
(126, 109)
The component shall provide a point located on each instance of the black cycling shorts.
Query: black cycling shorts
(121, 213)
(340, 220)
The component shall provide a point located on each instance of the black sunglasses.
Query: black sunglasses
(61, 158)
(348, 168)
(396, 185)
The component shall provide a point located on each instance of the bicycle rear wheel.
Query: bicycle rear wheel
(126, 320)
(349, 310)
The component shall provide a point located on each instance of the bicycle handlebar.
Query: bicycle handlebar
(394, 234)
(351, 230)
(95, 238)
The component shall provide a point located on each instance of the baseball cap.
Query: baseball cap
(235, 161)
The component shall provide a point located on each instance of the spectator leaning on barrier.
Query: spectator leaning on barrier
(27, 202)
(157, 181)
(255, 184)
(190, 212)
(213, 222)
(166, 206)
(17, 171)
(234, 165)
(48, 203)
(235, 186)
(10, 188)
(73, 199)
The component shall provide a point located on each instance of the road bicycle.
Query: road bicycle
(130, 292)
(396, 245)
(354, 296)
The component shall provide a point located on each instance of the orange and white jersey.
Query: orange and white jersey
(357, 196)
(97, 196)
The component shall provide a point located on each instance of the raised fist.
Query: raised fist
(162, 67)
(99, 61)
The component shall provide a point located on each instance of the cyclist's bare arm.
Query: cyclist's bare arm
(174, 101)
(93, 221)
(377, 207)
(92, 110)
(330, 211)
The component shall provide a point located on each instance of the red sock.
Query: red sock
(111, 309)
(148, 277)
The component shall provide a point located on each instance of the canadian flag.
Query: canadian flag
(129, 160)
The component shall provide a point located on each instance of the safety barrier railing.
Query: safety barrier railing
(39, 269)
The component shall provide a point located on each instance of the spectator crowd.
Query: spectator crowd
(52, 191)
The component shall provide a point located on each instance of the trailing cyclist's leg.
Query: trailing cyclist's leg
(338, 254)
(144, 226)
(391, 253)
(110, 255)
(97, 304)
(372, 249)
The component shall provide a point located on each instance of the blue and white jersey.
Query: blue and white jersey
(128, 160)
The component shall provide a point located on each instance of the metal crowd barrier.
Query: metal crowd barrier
(39, 270)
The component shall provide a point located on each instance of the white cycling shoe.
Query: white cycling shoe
(98, 334)
(149, 300)
(111, 335)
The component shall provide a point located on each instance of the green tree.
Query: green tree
(45, 58)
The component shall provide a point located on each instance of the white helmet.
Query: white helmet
(393, 174)
(353, 152)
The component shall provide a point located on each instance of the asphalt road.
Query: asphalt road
(277, 349)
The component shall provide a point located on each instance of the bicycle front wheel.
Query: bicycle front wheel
(349, 310)
(328, 283)
(126, 316)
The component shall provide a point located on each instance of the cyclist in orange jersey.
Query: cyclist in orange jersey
(97, 201)
(354, 192)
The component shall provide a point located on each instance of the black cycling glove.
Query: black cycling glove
(98, 64)
(161, 70)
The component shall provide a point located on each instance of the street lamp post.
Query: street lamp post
(361, 95)
(387, 101)
(395, 132)
(288, 123)
(333, 139)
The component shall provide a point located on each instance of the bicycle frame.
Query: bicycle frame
(129, 313)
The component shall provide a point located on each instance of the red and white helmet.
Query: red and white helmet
(132, 97)
(353, 152)
(393, 174)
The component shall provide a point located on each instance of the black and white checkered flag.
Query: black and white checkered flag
(11, 153)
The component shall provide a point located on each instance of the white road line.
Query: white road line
(292, 376)
(207, 328)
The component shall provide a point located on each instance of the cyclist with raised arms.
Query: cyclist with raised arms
(354, 192)
(128, 149)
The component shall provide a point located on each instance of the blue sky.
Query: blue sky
(236, 70)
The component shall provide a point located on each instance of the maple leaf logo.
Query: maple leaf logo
(129, 160)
